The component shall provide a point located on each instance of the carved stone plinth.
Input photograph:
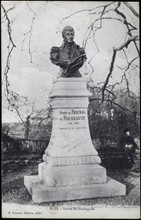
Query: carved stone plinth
(71, 167)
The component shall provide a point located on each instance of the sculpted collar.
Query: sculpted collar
(66, 44)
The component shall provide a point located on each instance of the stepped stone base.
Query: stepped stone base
(71, 175)
(40, 192)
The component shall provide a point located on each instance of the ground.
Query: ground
(13, 190)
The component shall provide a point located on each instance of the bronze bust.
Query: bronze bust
(70, 56)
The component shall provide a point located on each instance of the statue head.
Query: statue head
(68, 34)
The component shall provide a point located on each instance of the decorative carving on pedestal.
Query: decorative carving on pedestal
(71, 161)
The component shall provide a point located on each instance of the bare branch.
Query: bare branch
(134, 38)
(113, 95)
(12, 97)
(124, 18)
(132, 9)
(29, 33)
(8, 25)
(109, 74)
(89, 62)
(126, 23)
(30, 36)
(86, 10)
(108, 100)
(26, 35)
(18, 113)
(10, 47)
(125, 44)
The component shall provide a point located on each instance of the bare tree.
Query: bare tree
(122, 13)
(24, 108)
(118, 13)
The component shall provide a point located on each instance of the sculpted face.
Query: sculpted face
(68, 35)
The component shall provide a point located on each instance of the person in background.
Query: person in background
(128, 145)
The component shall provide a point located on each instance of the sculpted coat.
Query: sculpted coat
(69, 57)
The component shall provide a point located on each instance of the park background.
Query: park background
(29, 30)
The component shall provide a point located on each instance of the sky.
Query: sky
(35, 79)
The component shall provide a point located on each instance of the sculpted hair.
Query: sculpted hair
(67, 28)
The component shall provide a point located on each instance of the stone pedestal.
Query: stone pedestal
(71, 167)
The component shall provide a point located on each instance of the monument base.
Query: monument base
(43, 193)
(71, 169)
(71, 175)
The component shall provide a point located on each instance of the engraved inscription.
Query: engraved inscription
(72, 119)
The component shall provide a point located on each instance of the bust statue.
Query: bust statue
(70, 56)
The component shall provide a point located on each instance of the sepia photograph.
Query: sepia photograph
(70, 143)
